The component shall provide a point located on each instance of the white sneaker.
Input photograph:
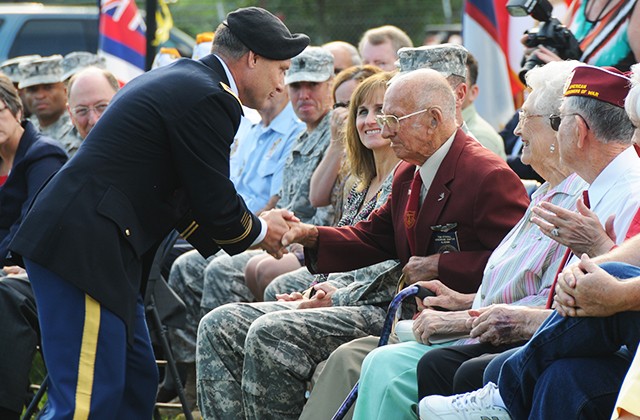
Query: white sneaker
(476, 405)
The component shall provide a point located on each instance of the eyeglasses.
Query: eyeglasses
(522, 116)
(83, 111)
(555, 119)
(341, 105)
(393, 122)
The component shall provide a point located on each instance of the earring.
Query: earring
(552, 148)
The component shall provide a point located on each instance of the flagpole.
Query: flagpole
(151, 6)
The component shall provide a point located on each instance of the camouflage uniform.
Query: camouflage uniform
(63, 131)
(254, 360)
(71, 141)
(262, 367)
(186, 271)
(222, 279)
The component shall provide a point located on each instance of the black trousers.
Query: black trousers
(19, 336)
(456, 369)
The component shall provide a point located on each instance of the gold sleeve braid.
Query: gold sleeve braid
(247, 224)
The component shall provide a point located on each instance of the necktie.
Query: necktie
(565, 258)
(411, 212)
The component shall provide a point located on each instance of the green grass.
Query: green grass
(38, 372)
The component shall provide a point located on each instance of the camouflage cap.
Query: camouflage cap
(44, 70)
(10, 67)
(314, 64)
(446, 59)
(78, 60)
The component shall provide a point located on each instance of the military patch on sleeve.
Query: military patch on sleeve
(228, 90)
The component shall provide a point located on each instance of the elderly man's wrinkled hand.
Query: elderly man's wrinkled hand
(301, 233)
(421, 268)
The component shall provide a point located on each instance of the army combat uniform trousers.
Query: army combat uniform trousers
(254, 360)
(204, 284)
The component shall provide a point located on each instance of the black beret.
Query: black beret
(265, 34)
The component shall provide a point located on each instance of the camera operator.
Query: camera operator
(608, 32)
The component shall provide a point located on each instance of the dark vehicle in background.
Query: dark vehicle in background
(34, 28)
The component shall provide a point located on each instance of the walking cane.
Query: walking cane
(417, 291)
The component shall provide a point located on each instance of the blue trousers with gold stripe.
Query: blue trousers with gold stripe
(93, 372)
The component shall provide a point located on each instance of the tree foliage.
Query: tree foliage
(324, 20)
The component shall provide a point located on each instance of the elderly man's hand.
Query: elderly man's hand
(430, 322)
(585, 289)
(581, 231)
(505, 324)
(301, 233)
(421, 269)
(277, 225)
(445, 297)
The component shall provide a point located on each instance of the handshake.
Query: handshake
(284, 228)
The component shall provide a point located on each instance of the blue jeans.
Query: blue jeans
(572, 364)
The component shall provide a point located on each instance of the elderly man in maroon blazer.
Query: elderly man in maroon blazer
(468, 201)
(469, 197)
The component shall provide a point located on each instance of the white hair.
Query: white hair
(632, 102)
(548, 84)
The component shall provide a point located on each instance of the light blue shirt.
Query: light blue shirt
(257, 159)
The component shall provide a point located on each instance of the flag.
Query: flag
(164, 20)
(493, 37)
(122, 38)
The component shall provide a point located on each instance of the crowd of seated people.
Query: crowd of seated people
(396, 180)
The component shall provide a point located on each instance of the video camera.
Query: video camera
(550, 33)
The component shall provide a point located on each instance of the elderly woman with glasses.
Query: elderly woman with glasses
(31, 159)
(516, 282)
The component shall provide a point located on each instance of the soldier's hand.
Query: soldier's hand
(289, 297)
(277, 226)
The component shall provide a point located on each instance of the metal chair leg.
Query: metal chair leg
(171, 362)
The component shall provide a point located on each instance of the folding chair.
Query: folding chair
(163, 308)
(417, 291)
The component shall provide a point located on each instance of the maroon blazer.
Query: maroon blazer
(473, 188)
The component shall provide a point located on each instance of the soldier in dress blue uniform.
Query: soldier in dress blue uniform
(158, 158)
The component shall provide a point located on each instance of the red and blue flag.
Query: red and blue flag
(122, 38)
(493, 37)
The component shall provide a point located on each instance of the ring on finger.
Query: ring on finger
(555, 232)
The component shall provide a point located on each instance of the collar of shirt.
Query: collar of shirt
(282, 122)
(232, 82)
(430, 167)
(606, 180)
